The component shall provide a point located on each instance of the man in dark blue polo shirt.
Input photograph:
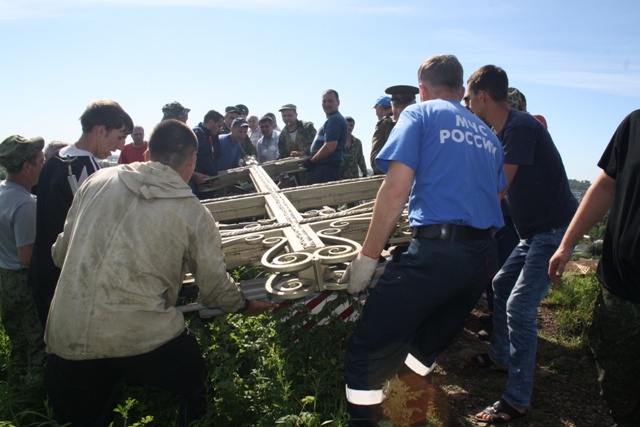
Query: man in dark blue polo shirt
(541, 206)
(328, 146)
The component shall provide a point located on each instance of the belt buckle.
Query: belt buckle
(445, 231)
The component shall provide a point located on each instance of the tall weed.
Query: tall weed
(573, 302)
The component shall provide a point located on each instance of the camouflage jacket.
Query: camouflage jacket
(304, 138)
(353, 159)
(380, 136)
(248, 149)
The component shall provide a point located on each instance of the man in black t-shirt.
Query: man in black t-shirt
(614, 335)
(105, 126)
(541, 206)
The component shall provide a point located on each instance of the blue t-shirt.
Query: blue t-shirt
(457, 162)
(539, 196)
(333, 129)
(229, 157)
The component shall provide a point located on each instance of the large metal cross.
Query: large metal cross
(292, 232)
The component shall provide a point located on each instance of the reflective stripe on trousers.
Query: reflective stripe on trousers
(375, 397)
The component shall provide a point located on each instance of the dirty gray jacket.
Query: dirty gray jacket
(128, 234)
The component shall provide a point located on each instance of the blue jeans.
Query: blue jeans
(518, 288)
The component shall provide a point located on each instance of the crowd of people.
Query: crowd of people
(86, 269)
(234, 139)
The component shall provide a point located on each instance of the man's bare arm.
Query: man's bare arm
(325, 151)
(24, 254)
(390, 202)
(594, 206)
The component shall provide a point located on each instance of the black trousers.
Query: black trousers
(420, 302)
(83, 392)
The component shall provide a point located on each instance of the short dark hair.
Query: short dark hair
(441, 71)
(273, 116)
(333, 92)
(350, 119)
(171, 143)
(492, 80)
(266, 118)
(212, 115)
(107, 113)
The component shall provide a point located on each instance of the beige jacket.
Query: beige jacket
(127, 236)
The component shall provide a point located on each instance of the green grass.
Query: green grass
(573, 302)
(270, 370)
(263, 371)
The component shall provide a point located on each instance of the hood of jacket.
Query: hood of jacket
(153, 180)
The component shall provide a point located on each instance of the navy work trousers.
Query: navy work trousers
(419, 304)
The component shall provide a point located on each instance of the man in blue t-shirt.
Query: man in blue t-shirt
(328, 146)
(541, 206)
(448, 164)
(231, 151)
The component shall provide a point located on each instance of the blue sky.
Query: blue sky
(577, 62)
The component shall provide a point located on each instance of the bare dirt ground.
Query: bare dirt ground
(565, 389)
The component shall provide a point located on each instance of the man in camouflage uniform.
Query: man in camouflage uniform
(382, 131)
(230, 114)
(352, 158)
(243, 110)
(296, 138)
(23, 160)
(175, 110)
(614, 334)
(401, 97)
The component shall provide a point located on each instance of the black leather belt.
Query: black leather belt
(452, 232)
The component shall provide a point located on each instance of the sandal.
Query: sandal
(484, 335)
(482, 360)
(500, 413)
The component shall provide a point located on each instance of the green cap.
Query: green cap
(288, 107)
(16, 149)
(514, 99)
(174, 110)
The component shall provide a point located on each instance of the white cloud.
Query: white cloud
(31, 9)
(595, 68)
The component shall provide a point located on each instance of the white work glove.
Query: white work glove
(359, 273)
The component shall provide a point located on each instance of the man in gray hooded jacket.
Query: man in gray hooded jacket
(127, 235)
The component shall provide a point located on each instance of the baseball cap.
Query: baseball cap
(16, 149)
(288, 107)
(384, 100)
(239, 123)
(242, 109)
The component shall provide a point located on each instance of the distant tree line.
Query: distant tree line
(597, 232)
(576, 185)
